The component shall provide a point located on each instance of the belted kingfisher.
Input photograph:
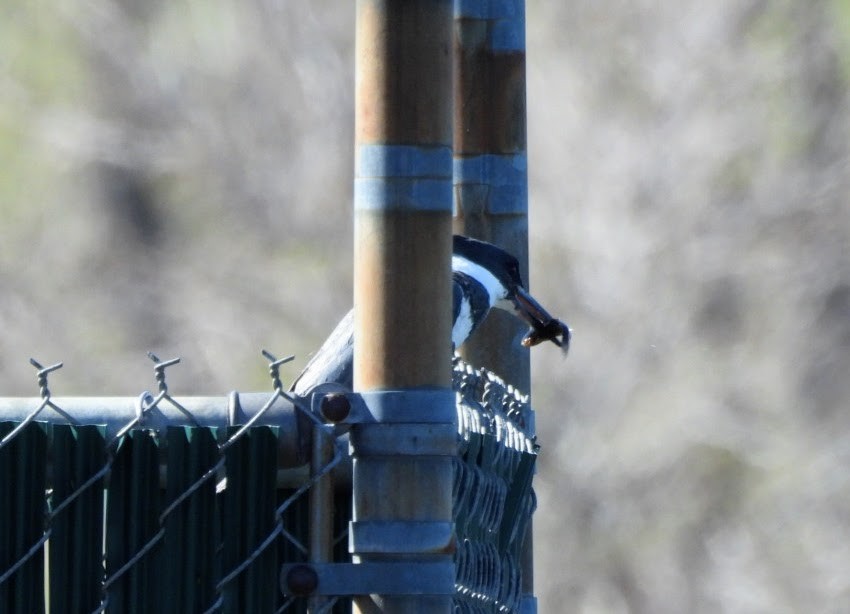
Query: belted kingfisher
(484, 277)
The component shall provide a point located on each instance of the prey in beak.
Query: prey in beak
(487, 276)
(544, 327)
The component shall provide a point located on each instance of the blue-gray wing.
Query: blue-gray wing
(333, 363)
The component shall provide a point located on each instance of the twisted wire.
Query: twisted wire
(493, 435)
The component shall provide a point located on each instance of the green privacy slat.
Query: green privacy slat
(261, 577)
(76, 540)
(249, 505)
(132, 520)
(7, 529)
(22, 472)
(516, 513)
(190, 539)
(233, 535)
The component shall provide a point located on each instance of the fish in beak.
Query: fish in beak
(544, 327)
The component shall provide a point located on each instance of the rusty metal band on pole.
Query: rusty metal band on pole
(402, 283)
(491, 177)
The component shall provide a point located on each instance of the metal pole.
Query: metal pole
(403, 201)
(490, 159)
(321, 508)
(491, 178)
(402, 297)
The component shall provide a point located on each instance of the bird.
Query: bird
(484, 277)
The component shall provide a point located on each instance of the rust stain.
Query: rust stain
(402, 299)
(403, 72)
(490, 107)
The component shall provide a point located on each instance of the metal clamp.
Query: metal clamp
(390, 578)
(417, 405)
(400, 537)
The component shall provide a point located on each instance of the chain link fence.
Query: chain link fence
(156, 504)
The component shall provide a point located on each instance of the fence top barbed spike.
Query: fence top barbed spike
(159, 370)
(274, 367)
(43, 372)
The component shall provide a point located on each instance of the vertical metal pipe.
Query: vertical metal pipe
(402, 194)
(402, 263)
(490, 159)
(491, 177)
(321, 508)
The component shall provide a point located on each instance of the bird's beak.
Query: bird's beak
(543, 326)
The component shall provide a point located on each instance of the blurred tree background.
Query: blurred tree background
(176, 176)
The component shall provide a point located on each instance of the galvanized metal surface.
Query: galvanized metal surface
(321, 501)
(402, 259)
(411, 578)
(403, 178)
(402, 502)
(116, 413)
(400, 536)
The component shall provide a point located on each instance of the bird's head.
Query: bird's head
(499, 272)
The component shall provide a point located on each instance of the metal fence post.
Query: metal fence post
(402, 252)
(490, 159)
(491, 175)
(320, 546)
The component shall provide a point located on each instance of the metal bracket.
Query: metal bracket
(401, 537)
(413, 578)
(417, 405)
